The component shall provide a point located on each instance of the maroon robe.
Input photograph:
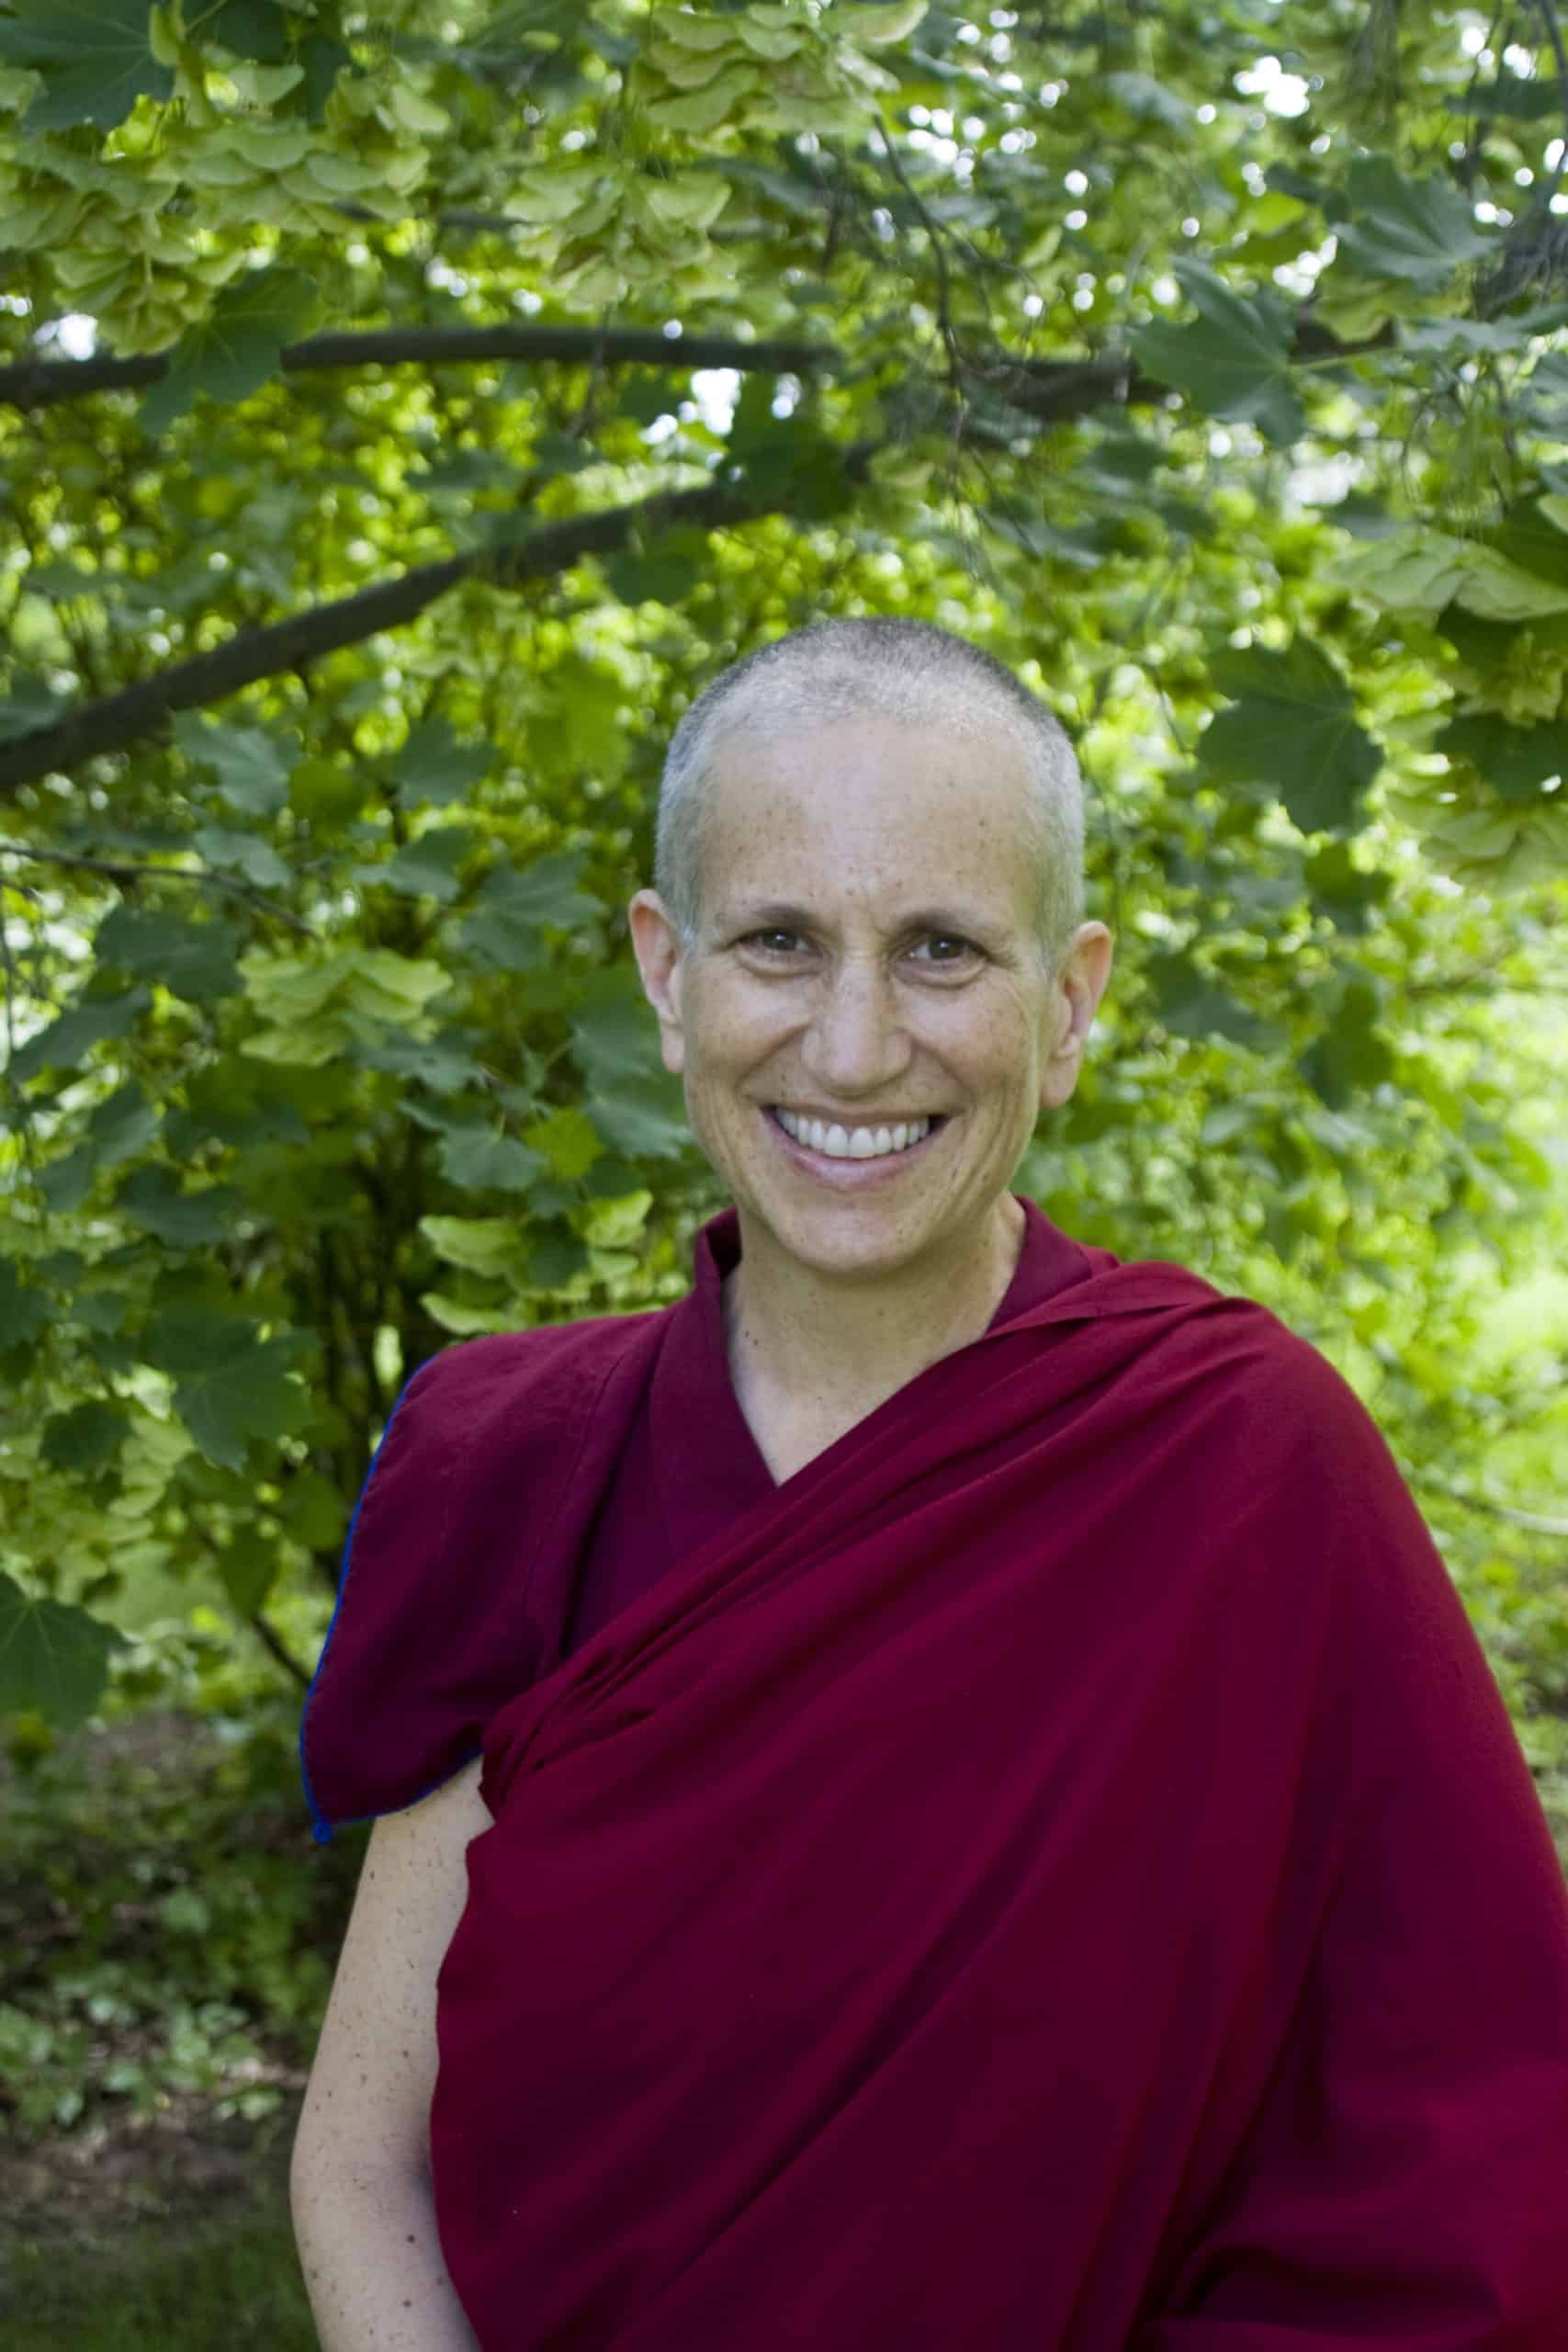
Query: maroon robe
(1056, 1875)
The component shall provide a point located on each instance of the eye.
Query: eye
(767, 941)
(963, 948)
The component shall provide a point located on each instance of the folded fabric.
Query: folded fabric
(1057, 1875)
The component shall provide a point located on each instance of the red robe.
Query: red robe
(1056, 1875)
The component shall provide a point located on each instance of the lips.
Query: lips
(848, 1169)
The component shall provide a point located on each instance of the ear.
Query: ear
(657, 945)
(1076, 991)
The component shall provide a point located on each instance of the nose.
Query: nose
(857, 1042)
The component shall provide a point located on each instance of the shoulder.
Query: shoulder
(1277, 1392)
(464, 1388)
(432, 1629)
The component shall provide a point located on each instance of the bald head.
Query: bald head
(921, 677)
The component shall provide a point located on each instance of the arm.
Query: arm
(360, 2181)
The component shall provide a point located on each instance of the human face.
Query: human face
(867, 956)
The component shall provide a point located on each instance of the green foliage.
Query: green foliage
(166, 1933)
(468, 385)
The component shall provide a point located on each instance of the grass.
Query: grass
(232, 2282)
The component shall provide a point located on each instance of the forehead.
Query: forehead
(871, 809)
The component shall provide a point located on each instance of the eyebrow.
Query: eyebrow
(788, 917)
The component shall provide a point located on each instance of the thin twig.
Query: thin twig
(125, 870)
(938, 258)
(271, 1639)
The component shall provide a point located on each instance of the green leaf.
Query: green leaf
(505, 927)
(644, 1117)
(491, 938)
(85, 1437)
(151, 1198)
(1513, 97)
(102, 1311)
(389, 987)
(613, 1033)
(1417, 229)
(53, 1659)
(1500, 591)
(1190, 1004)
(293, 988)
(231, 1386)
(1232, 360)
(1408, 570)
(24, 1311)
(233, 351)
(1515, 761)
(124, 1126)
(569, 1140)
(692, 30)
(65, 1184)
(479, 1161)
(883, 21)
(615, 1223)
(481, 1245)
(253, 764)
(704, 110)
(445, 1069)
(95, 59)
(467, 1322)
(183, 1911)
(221, 846)
(657, 576)
(247, 1570)
(1292, 728)
(1343, 890)
(32, 704)
(556, 1259)
(546, 891)
(434, 767)
(253, 28)
(563, 453)
(194, 960)
(425, 868)
(1351, 1056)
(64, 1043)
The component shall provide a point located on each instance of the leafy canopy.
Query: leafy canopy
(404, 410)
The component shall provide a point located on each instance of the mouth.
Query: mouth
(855, 1167)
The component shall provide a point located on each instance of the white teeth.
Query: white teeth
(856, 1143)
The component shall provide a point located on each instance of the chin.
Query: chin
(840, 1236)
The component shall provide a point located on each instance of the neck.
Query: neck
(828, 1349)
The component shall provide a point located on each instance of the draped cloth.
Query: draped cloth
(1057, 1875)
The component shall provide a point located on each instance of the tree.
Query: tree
(372, 508)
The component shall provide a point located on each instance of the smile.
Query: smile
(816, 1140)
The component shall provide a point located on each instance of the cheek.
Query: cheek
(734, 1028)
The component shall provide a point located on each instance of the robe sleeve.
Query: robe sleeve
(1402, 2184)
(426, 1640)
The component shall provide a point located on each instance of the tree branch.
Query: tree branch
(1069, 387)
(273, 1640)
(117, 720)
(39, 383)
(127, 870)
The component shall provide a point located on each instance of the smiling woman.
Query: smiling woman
(867, 939)
(991, 1824)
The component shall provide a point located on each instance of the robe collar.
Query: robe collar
(707, 1464)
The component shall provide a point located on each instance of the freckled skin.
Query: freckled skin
(842, 1296)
